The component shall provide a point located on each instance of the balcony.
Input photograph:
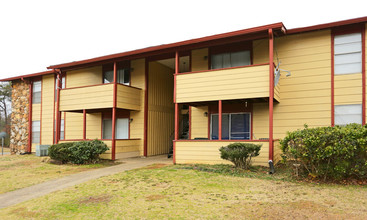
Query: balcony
(225, 84)
(98, 97)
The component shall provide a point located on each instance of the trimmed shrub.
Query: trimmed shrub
(78, 152)
(330, 153)
(60, 152)
(87, 151)
(240, 154)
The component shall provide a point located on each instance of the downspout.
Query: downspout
(271, 100)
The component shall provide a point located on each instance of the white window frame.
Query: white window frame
(37, 90)
(230, 124)
(34, 131)
(348, 52)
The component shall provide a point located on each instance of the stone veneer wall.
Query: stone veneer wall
(19, 117)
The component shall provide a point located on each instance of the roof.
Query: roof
(179, 45)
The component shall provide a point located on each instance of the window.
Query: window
(235, 126)
(36, 92)
(123, 76)
(233, 59)
(36, 132)
(347, 114)
(348, 53)
(62, 130)
(122, 128)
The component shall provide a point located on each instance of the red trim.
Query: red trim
(84, 124)
(193, 140)
(30, 117)
(58, 113)
(327, 25)
(53, 115)
(176, 132)
(332, 81)
(271, 93)
(228, 68)
(363, 75)
(173, 45)
(190, 115)
(28, 75)
(220, 120)
(41, 111)
(177, 68)
(146, 108)
(114, 111)
(252, 121)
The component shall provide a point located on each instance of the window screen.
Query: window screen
(348, 53)
(225, 60)
(347, 114)
(36, 96)
(234, 126)
(36, 131)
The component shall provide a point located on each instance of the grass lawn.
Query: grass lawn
(181, 192)
(19, 171)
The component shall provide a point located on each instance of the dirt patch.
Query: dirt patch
(155, 166)
(155, 197)
(96, 199)
(23, 212)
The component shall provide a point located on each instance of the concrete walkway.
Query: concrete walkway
(21, 195)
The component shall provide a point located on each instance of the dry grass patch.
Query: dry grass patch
(174, 193)
(19, 171)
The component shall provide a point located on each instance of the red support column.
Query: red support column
(332, 81)
(84, 124)
(177, 122)
(114, 111)
(363, 75)
(220, 120)
(271, 92)
(58, 114)
(146, 108)
(30, 117)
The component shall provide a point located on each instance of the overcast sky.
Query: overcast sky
(37, 33)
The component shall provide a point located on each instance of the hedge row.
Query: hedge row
(332, 153)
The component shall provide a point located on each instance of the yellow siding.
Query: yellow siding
(277, 152)
(348, 89)
(137, 125)
(198, 60)
(48, 101)
(306, 94)
(237, 83)
(208, 152)
(199, 123)
(260, 120)
(73, 125)
(91, 97)
(84, 77)
(36, 112)
(260, 51)
(128, 97)
(160, 109)
(94, 126)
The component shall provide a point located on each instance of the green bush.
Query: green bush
(78, 152)
(240, 153)
(60, 152)
(332, 153)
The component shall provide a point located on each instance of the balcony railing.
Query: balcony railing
(224, 84)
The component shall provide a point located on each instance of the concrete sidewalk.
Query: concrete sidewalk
(21, 195)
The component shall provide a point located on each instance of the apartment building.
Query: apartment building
(193, 97)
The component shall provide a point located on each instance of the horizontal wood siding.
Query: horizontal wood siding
(306, 94)
(91, 97)
(199, 122)
(260, 120)
(128, 97)
(48, 101)
(73, 125)
(207, 152)
(84, 77)
(237, 83)
(94, 126)
(137, 125)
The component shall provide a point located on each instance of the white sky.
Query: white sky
(37, 33)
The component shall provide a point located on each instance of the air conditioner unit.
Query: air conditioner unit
(42, 150)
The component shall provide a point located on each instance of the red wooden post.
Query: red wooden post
(58, 114)
(113, 150)
(84, 124)
(220, 120)
(363, 75)
(271, 92)
(30, 116)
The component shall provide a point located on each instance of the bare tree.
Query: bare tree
(5, 99)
